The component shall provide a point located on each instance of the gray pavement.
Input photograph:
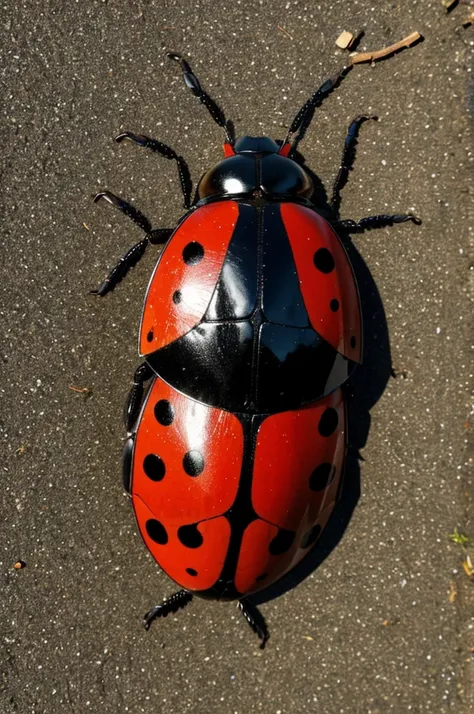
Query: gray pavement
(383, 624)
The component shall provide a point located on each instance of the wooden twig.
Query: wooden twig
(386, 51)
(285, 32)
(80, 390)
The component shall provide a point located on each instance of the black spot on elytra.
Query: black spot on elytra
(193, 463)
(353, 342)
(261, 577)
(149, 336)
(328, 422)
(281, 542)
(190, 537)
(334, 305)
(191, 571)
(154, 467)
(193, 253)
(323, 260)
(310, 537)
(177, 297)
(321, 476)
(156, 531)
(164, 412)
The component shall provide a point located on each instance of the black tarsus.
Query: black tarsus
(172, 604)
(347, 160)
(163, 150)
(371, 222)
(192, 82)
(156, 236)
(256, 621)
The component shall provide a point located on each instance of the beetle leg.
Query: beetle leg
(136, 216)
(374, 222)
(132, 256)
(163, 150)
(256, 621)
(172, 604)
(347, 160)
(192, 82)
(129, 260)
(135, 397)
(303, 118)
(131, 412)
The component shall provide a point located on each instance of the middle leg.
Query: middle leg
(163, 150)
(380, 221)
(347, 160)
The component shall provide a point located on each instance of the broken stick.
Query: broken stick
(386, 51)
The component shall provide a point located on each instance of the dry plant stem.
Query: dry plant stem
(386, 51)
(80, 390)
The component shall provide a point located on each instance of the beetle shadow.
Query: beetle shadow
(364, 389)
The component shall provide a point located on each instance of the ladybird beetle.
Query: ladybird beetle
(251, 326)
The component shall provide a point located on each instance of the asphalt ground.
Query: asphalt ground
(383, 623)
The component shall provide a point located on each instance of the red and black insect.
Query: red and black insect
(251, 326)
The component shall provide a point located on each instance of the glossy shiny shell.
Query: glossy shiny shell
(253, 308)
(245, 175)
(227, 503)
(327, 281)
(186, 468)
(186, 274)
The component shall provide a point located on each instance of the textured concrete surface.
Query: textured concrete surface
(382, 625)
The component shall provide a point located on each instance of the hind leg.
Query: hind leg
(256, 621)
(172, 604)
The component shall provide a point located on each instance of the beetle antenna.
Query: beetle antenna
(194, 85)
(305, 115)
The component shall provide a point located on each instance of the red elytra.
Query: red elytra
(164, 318)
(191, 470)
(332, 301)
(179, 292)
